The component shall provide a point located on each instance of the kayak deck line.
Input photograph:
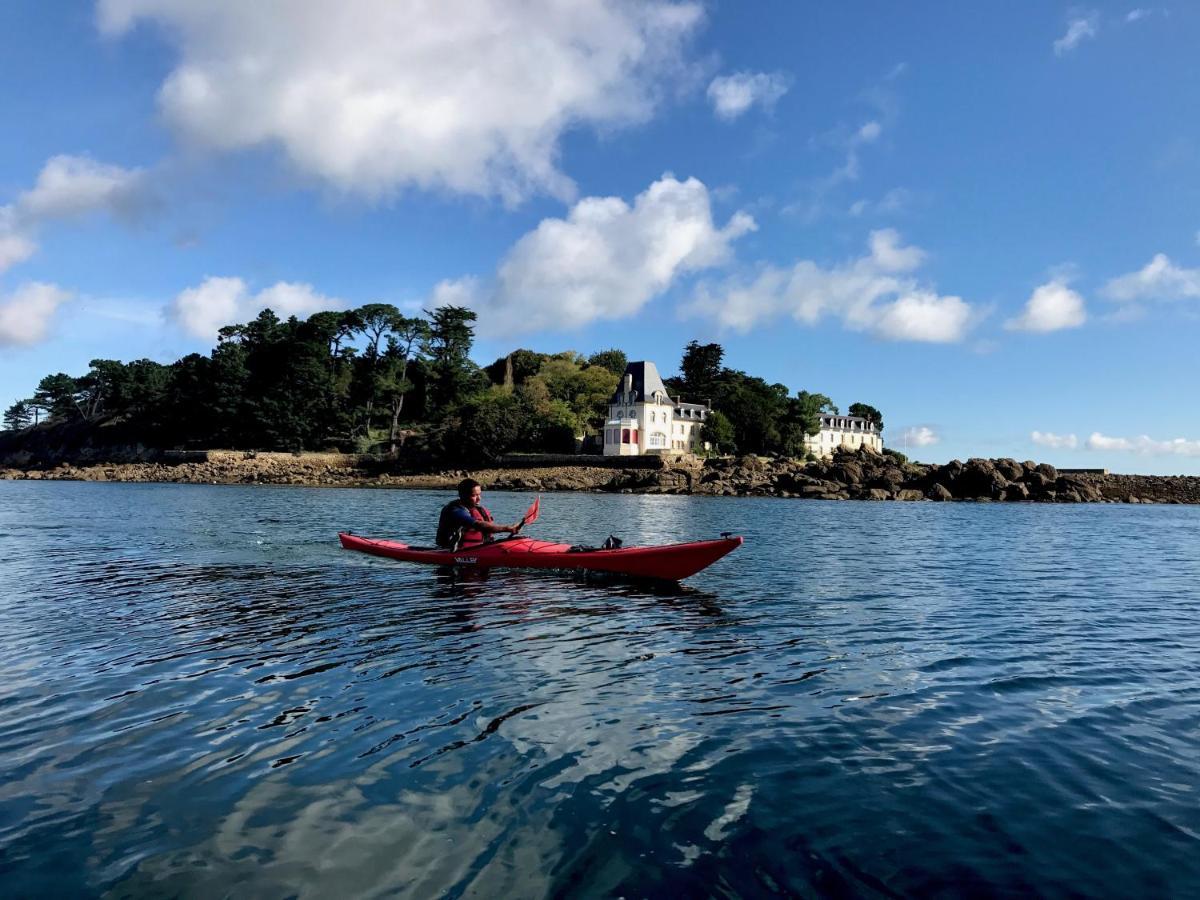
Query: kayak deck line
(670, 562)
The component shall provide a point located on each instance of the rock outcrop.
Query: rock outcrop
(857, 475)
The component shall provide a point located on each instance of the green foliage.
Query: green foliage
(810, 408)
(358, 378)
(58, 396)
(870, 413)
(453, 377)
(614, 360)
(18, 416)
(717, 431)
(700, 370)
(896, 455)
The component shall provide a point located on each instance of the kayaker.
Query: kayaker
(466, 521)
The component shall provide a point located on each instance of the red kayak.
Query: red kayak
(670, 561)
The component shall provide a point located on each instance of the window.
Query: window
(633, 436)
(624, 435)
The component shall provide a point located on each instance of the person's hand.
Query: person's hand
(514, 529)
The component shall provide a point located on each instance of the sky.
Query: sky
(981, 218)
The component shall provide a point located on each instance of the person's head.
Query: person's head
(470, 491)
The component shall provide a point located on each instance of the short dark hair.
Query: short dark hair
(466, 486)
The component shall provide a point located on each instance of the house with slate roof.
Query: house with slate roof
(837, 431)
(644, 418)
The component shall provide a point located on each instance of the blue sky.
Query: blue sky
(983, 219)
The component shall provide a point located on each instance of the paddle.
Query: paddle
(531, 514)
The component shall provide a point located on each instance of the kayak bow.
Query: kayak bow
(670, 562)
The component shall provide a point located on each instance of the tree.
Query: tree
(18, 416)
(870, 413)
(614, 360)
(375, 320)
(810, 408)
(58, 395)
(453, 377)
(393, 381)
(700, 370)
(717, 431)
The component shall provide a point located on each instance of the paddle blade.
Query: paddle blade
(531, 514)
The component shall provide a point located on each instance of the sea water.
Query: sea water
(203, 695)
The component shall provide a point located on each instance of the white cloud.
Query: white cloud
(920, 436)
(15, 248)
(1052, 307)
(923, 316)
(732, 95)
(69, 187)
(203, 310)
(1159, 279)
(1144, 445)
(605, 260)
(1055, 441)
(470, 96)
(869, 133)
(893, 202)
(26, 313)
(875, 293)
(1080, 28)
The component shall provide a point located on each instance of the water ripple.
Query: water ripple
(202, 690)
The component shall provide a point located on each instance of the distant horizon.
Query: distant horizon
(970, 218)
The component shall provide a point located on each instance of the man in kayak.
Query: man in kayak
(466, 521)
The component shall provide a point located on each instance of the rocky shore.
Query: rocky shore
(861, 475)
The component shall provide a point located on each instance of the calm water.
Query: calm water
(203, 695)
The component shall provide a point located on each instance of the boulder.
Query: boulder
(939, 492)
(1016, 491)
(846, 471)
(1048, 470)
(1036, 481)
(1010, 469)
(979, 478)
(909, 494)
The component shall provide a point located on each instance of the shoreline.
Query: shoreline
(858, 475)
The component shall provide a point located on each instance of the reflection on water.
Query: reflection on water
(203, 694)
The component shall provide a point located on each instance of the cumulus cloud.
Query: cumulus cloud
(1159, 279)
(15, 248)
(876, 293)
(1052, 307)
(1144, 445)
(605, 260)
(732, 95)
(25, 315)
(69, 187)
(920, 436)
(216, 302)
(1080, 28)
(470, 96)
(1055, 441)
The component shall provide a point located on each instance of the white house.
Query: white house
(836, 431)
(642, 417)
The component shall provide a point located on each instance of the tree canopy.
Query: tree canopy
(371, 377)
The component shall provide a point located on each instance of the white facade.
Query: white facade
(642, 417)
(850, 432)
